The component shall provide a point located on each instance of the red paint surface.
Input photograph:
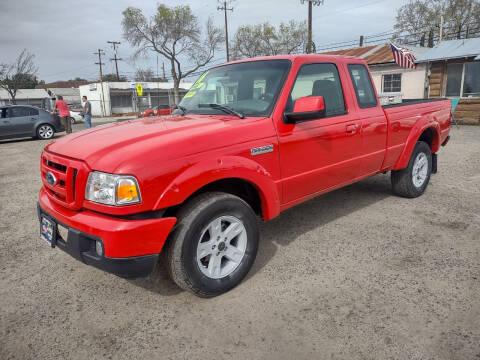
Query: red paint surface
(174, 156)
(156, 112)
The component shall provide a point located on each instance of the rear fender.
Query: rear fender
(420, 126)
(208, 171)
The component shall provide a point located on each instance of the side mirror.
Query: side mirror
(306, 108)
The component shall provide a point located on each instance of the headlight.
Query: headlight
(112, 189)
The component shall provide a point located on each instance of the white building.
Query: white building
(122, 98)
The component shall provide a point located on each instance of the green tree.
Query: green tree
(175, 34)
(264, 39)
(420, 16)
(18, 74)
(113, 77)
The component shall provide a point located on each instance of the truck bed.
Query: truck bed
(412, 102)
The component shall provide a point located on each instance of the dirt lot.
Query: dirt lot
(355, 274)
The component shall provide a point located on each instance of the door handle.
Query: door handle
(352, 128)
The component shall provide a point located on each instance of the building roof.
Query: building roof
(25, 94)
(452, 49)
(375, 54)
(132, 85)
(65, 91)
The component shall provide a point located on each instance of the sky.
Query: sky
(63, 35)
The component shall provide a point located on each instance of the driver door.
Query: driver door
(319, 154)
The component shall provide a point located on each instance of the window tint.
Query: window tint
(392, 82)
(18, 111)
(31, 112)
(471, 84)
(454, 79)
(319, 80)
(363, 86)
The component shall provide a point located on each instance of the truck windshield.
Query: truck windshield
(249, 88)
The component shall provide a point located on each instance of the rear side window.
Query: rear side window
(319, 80)
(363, 85)
(17, 111)
(31, 112)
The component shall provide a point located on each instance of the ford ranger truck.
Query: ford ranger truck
(249, 140)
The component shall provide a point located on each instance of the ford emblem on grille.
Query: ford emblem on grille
(51, 179)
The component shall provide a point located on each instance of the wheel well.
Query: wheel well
(238, 187)
(430, 137)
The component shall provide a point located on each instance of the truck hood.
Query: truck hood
(108, 147)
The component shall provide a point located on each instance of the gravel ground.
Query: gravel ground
(355, 274)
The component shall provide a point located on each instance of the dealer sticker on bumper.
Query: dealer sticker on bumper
(48, 231)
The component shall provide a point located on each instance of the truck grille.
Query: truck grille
(61, 179)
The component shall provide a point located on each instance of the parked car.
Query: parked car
(75, 116)
(157, 111)
(249, 140)
(23, 120)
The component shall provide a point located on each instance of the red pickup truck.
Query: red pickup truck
(250, 139)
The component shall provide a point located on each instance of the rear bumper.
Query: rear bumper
(130, 247)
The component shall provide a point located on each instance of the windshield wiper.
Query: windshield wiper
(224, 108)
(181, 108)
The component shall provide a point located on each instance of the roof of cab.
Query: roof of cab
(293, 57)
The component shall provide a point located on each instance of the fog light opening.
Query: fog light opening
(99, 248)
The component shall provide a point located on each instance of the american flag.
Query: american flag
(403, 57)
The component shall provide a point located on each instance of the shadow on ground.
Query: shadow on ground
(292, 224)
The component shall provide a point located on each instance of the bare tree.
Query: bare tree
(13, 75)
(175, 34)
(420, 16)
(144, 75)
(264, 39)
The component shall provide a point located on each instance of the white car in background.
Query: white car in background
(75, 116)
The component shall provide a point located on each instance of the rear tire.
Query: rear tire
(45, 132)
(413, 180)
(72, 120)
(214, 244)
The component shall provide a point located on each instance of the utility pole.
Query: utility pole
(100, 53)
(225, 9)
(114, 44)
(310, 10)
(440, 38)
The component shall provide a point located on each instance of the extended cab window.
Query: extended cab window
(363, 85)
(250, 87)
(319, 80)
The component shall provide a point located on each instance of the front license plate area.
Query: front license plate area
(48, 231)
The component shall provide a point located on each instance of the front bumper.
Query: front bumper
(130, 247)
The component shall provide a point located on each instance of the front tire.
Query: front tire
(72, 120)
(45, 132)
(214, 244)
(412, 181)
